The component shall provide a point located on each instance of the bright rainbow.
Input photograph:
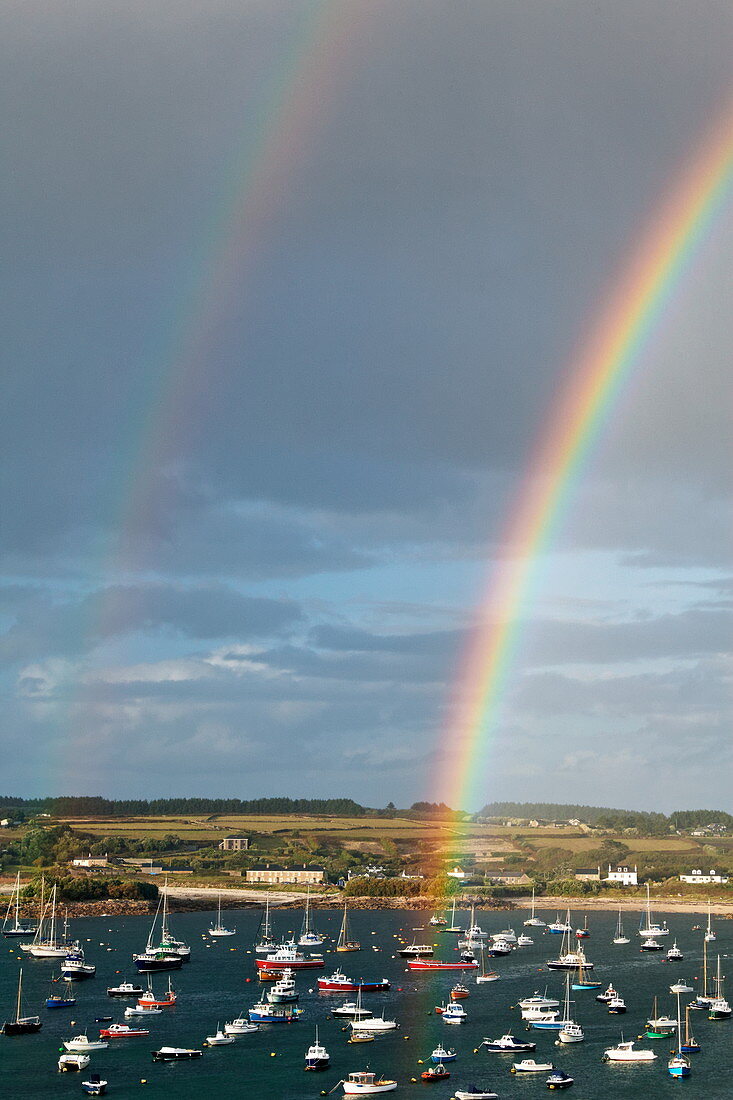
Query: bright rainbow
(614, 350)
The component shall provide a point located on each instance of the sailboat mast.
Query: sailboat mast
(20, 986)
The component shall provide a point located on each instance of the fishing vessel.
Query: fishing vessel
(125, 989)
(16, 926)
(219, 929)
(339, 983)
(533, 921)
(674, 954)
(149, 998)
(559, 927)
(616, 1006)
(58, 999)
(21, 1025)
(435, 964)
(454, 1013)
(648, 927)
(345, 940)
(620, 938)
(308, 936)
(507, 1044)
(608, 994)
(651, 945)
(74, 967)
(363, 1082)
(283, 991)
(440, 1054)
(316, 1056)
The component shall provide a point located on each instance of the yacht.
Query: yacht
(709, 934)
(219, 929)
(533, 921)
(16, 926)
(624, 1051)
(719, 1009)
(308, 936)
(620, 938)
(648, 927)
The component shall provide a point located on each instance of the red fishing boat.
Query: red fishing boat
(433, 964)
(339, 983)
(121, 1031)
(288, 956)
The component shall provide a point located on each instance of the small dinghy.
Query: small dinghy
(435, 1073)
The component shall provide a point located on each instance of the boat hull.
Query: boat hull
(431, 964)
(27, 1026)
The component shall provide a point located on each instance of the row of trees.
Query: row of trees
(96, 806)
(604, 817)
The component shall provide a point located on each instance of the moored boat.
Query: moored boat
(75, 1062)
(507, 1044)
(16, 926)
(624, 1051)
(94, 1085)
(172, 1054)
(528, 1065)
(21, 1025)
(363, 1082)
(339, 983)
(559, 1079)
(316, 1056)
(287, 956)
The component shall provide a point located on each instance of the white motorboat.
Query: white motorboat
(528, 1065)
(316, 1056)
(617, 1006)
(607, 995)
(674, 953)
(351, 1009)
(681, 987)
(362, 1083)
(240, 1026)
(571, 1033)
(539, 1001)
(524, 941)
(475, 1092)
(219, 929)
(174, 1054)
(624, 1051)
(82, 1044)
(454, 1013)
(373, 1023)
(73, 1062)
(142, 1010)
(508, 1044)
(125, 989)
(220, 1039)
(507, 934)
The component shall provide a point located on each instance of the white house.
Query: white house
(621, 876)
(456, 873)
(700, 876)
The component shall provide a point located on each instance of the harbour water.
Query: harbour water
(220, 983)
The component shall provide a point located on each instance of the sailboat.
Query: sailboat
(719, 1009)
(703, 1000)
(678, 1065)
(453, 927)
(308, 937)
(219, 929)
(534, 921)
(164, 956)
(571, 1031)
(650, 928)
(568, 959)
(21, 1025)
(659, 1027)
(18, 927)
(620, 938)
(690, 1044)
(709, 934)
(345, 942)
(485, 976)
(266, 940)
(50, 947)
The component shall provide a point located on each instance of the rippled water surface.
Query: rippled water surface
(214, 987)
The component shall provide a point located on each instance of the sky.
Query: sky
(289, 289)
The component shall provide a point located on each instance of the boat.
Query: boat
(74, 967)
(624, 1051)
(583, 932)
(581, 981)
(122, 1031)
(362, 1082)
(308, 936)
(719, 1008)
(560, 927)
(169, 953)
(435, 964)
(283, 991)
(499, 947)
(240, 1026)
(651, 945)
(94, 1085)
(133, 1011)
(569, 959)
(616, 1006)
(17, 927)
(173, 1054)
(568, 1030)
(620, 938)
(345, 941)
(452, 928)
(266, 942)
(689, 1044)
(82, 1044)
(476, 1092)
(437, 921)
(524, 941)
(440, 1054)
(125, 989)
(73, 1062)
(352, 1010)
(507, 1044)
(316, 1056)
(533, 921)
(435, 1073)
(659, 1027)
(649, 928)
(103, 1019)
(264, 1013)
(219, 929)
(61, 1000)
(540, 1014)
(608, 994)
(21, 1025)
(287, 957)
(681, 987)
(416, 951)
(149, 998)
(538, 1001)
(528, 1065)
(674, 953)
(703, 999)
(454, 1013)
(679, 1063)
(459, 992)
(46, 944)
(219, 1039)
(506, 934)
(360, 1037)
(373, 1023)
(339, 983)
(709, 934)
(486, 975)
(153, 960)
(559, 1079)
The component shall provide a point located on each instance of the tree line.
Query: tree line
(606, 817)
(96, 806)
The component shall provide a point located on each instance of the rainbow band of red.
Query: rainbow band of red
(596, 379)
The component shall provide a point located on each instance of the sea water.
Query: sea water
(220, 983)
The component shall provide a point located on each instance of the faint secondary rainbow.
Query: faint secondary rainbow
(596, 379)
